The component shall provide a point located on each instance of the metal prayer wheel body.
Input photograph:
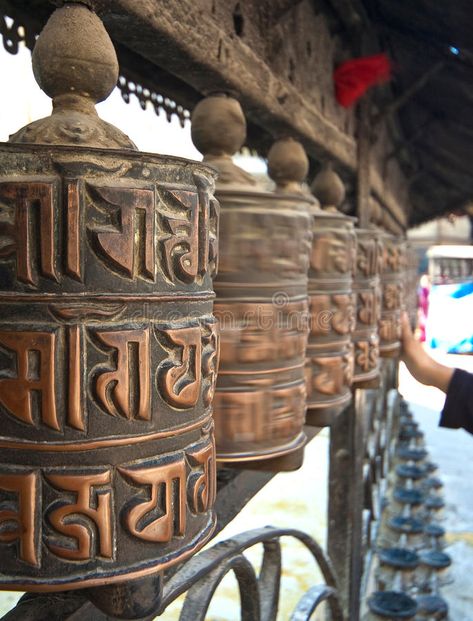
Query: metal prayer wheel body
(262, 308)
(368, 303)
(412, 283)
(332, 312)
(392, 295)
(108, 359)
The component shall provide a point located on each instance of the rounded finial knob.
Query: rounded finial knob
(75, 63)
(288, 165)
(328, 188)
(218, 131)
(218, 125)
(75, 55)
(376, 213)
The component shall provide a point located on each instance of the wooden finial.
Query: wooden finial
(288, 165)
(376, 213)
(328, 188)
(74, 62)
(218, 132)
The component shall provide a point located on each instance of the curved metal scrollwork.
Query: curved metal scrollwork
(310, 601)
(259, 595)
(13, 33)
(200, 578)
(145, 93)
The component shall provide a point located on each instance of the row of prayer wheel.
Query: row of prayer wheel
(109, 328)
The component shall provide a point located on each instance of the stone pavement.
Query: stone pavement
(453, 451)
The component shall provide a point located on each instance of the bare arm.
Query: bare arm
(424, 368)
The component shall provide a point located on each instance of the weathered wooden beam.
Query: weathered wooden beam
(364, 167)
(448, 160)
(409, 92)
(191, 44)
(351, 18)
(403, 144)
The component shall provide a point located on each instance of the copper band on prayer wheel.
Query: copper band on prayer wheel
(108, 347)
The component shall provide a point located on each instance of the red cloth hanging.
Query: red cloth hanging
(353, 77)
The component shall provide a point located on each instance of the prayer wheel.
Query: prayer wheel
(392, 294)
(261, 302)
(412, 284)
(108, 345)
(332, 307)
(367, 307)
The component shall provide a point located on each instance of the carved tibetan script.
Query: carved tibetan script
(190, 235)
(125, 391)
(368, 310)
(35, 353)
(331, 312)
(366, 257)
(108, 363)
(331, 253)
(30, 227)
(366, 355)
(67, 519)
(18, 518)
(333, 373)
(122, 387)
(85, 523)
(172, 478)
(129, 248)
(123, 227)
(192, 359)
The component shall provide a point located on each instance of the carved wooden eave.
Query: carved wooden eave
(280, 68)
(278, 57)
(205, 57)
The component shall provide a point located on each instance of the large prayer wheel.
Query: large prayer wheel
(332, 305)
(393, 276)
(261, 302)
(366, 289)
(108, 345)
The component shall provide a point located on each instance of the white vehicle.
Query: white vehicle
(449, 324)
